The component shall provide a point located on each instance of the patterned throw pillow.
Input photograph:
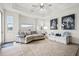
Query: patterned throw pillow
(28, 33)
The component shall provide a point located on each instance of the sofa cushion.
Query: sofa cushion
(28, 33)
(30, 38)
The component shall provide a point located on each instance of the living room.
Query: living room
(22, 23)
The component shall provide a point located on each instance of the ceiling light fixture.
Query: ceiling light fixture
(41, 6)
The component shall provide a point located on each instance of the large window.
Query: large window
(10, 23)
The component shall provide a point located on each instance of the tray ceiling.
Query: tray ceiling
(35, 9)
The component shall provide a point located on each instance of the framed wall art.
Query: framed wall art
(53, 24)
(68, 22)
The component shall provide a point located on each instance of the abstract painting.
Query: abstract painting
(68, 22)
(53, 24)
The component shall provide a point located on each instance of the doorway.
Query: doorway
(0, 28)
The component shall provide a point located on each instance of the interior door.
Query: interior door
(9, 30)
(11, 26)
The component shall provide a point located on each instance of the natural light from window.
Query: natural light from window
(26, 25)
(10, 23)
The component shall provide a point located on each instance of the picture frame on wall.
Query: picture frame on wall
(53, 24)
(68, 22)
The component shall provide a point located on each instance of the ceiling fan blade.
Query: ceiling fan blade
(35, 5)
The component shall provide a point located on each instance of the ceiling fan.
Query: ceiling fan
(41, 5)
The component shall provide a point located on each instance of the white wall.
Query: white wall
(25, 20)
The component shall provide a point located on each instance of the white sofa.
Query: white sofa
(63, 38)
(26, 38)
(60, 39)
(33, 37)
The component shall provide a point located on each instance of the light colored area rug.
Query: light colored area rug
(40, 48)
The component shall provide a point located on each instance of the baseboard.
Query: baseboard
(74, 43)
(7, 42)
